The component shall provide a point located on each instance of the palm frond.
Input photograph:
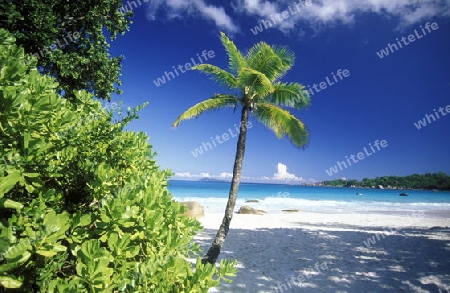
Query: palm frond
(235, 58)
(256, 81)
(291, 95)
(261, 57)
(287, 57)
(214, 103)
(282, 123)
(219, 75)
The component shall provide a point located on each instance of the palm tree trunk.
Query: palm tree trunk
(214, 251)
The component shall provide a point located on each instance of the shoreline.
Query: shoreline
(279, 219)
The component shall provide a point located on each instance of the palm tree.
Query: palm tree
(255, 76)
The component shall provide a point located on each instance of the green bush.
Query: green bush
(84, 206)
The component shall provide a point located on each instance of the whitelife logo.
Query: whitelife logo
(323, 85)
(204, 147)
(279, 17)
(361, 156)
(61, 43)
(183, 68)
(415, 216)
(411, 38)
(423, 123)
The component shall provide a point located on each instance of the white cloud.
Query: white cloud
(225, 175)
(318, 15)
(283, 175)
(218, 15)
(206, 175)
(330, 12)
(188, 175)
(256, 7)
(183, 174)
(192, 8)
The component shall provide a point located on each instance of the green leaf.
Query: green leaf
(282, 123)
(235, 59)
(59, 248)
(91, 249)
(8, 182)
(10, 204)
(219, 75)
(31, 175)
(289, 95)
(113, 240)
(85, 220)
(12, 265)
(258, 82)
(10, 283)
(46, 253)
(214, 103)
(17, 250)
(51, 250)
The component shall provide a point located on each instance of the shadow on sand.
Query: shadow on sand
(410, 260)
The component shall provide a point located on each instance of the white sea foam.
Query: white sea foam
(274, 204)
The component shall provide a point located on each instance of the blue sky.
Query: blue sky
(377, 99)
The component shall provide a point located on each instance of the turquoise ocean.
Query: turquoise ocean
(276, 197)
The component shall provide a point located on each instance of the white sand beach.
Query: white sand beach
(336, 252)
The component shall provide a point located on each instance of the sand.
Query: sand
(336, 252)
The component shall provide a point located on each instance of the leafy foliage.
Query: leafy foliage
(84, 206)
(70, 40)
(255, 76)
(440, 181)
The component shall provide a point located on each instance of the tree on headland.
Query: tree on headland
(256, 77)
(440, 181)
(70, 41)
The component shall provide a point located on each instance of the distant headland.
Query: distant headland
(428, 181)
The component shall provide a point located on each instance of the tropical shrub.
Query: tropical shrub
(84, 206)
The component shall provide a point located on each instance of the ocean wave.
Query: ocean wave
(273, 204)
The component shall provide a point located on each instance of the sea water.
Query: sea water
(277, 197)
